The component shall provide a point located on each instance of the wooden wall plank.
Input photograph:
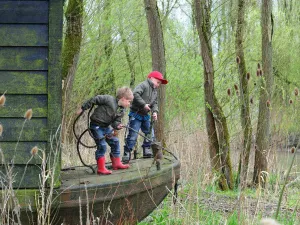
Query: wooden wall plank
(24, 177)
(22, 58)
(23, 82)
(22, 152)
(54, 75)
(23, 35)
(23, 11)
(54, 71)
(33, 130)
(17, 105)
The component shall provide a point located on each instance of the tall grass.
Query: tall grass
(201, 202)
(40, 211)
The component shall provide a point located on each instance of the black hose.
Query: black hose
(79, 138)
(78, 151)
(74, 124)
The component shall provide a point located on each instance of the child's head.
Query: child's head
(157, 78)
(125, 96)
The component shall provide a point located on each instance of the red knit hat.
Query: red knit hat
(158, 76)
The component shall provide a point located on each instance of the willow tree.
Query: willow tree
(158, 59)
(263, 125)
(70, 55)
(125, 44)
(216, 125)
(244, 95)
(107, 84)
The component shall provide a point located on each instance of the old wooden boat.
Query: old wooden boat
(126, 196)
(30, 72)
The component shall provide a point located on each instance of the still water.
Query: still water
(283, 160)
(278, 161)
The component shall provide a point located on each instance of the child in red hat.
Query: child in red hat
(143, 104)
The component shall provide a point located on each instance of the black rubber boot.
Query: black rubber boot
(126, 157)
(147, 152)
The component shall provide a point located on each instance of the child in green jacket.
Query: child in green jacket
(105, 119)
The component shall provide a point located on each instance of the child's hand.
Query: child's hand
(79, 111)
(147, 107)
(120, 126)
(154, 115)
(115, 133)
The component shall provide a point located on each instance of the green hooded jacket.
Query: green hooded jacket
(107, 112)
(144, 93)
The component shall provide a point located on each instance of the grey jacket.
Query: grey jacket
(107, 112)
(144, 93)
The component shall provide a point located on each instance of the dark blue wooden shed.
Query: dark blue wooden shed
(30, 77)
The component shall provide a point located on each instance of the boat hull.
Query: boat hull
(124, 197)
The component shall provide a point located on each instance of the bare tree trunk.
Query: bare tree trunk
(158, 60)
(224, 145)
(73, 34)
(70, 55)
(244, 96)
(263, 126)
(218, 137)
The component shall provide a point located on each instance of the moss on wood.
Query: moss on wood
(31, 34)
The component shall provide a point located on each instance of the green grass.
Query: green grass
(190, 209)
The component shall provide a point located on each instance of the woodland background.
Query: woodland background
(230, 107)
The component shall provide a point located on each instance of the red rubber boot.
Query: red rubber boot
(117, 164)
(101, 167)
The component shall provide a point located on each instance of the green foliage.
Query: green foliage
(289, 219)
(233, 219)
(93, 65)
(273, 180)
(184, 63)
